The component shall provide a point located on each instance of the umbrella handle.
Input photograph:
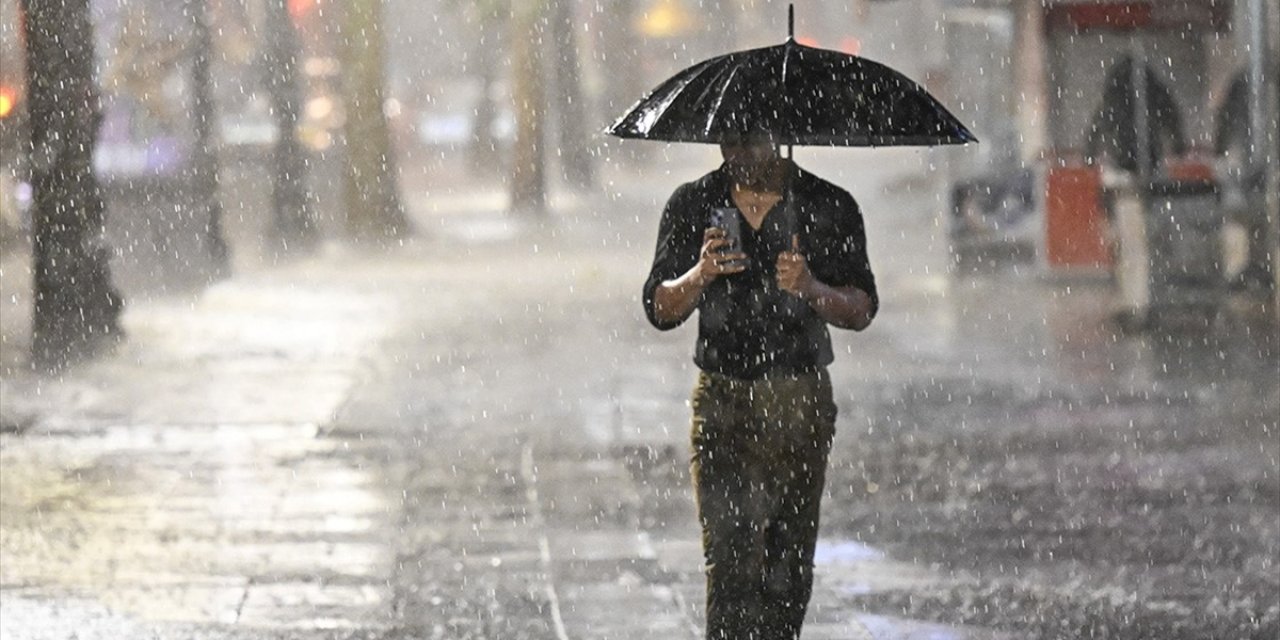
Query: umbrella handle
(791, 305)
(789, 219)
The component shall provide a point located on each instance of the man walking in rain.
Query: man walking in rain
(767, 277)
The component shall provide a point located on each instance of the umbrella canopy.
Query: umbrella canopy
(801, 95)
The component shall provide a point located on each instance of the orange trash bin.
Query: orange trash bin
(1075, 221)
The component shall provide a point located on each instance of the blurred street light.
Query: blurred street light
(667, 19)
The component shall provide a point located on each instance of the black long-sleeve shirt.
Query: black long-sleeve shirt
(747, 327)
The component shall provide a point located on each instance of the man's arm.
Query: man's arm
(846, 307)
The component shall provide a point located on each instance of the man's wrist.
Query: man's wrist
(697, 279)
(812, 292)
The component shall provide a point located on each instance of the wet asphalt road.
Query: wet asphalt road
(1134, 497)
(478, 436)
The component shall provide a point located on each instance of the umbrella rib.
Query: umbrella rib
(715, 109)
(786, 58)
(673, 94)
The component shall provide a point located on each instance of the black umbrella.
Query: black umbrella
(802, 95)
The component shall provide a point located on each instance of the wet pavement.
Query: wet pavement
(478, 436)
(184, 478)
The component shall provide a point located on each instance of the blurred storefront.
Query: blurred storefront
(1056, 103)
(1100, 120)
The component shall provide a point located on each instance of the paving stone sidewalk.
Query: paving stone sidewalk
(182, 479)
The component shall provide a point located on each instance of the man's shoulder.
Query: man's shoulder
(826, 192)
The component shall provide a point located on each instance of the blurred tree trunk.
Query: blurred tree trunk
(293, 221)
(77, 309)
(204, 163)
(528, 162)
(374, 212)
(576, 163)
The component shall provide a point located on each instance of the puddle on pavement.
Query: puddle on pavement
(844, 552)
(900, 629)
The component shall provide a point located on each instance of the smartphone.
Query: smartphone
(727, 218)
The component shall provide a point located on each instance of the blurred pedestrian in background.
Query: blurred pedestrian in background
(1243, 183)
(1113, 134)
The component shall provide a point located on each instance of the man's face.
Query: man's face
(749, 160)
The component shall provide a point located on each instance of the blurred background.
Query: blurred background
(1029, 77)
(321, 250)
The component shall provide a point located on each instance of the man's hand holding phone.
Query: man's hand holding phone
(718, 256)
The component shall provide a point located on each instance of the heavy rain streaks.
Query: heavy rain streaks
(330, 320)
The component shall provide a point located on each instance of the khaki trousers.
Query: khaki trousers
(760, 451)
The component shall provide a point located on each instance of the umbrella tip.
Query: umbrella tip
(791, 21)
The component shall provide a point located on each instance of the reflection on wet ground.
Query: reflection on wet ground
(480, 437)
(1078, 481)
(842, 552)
(186, 479)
